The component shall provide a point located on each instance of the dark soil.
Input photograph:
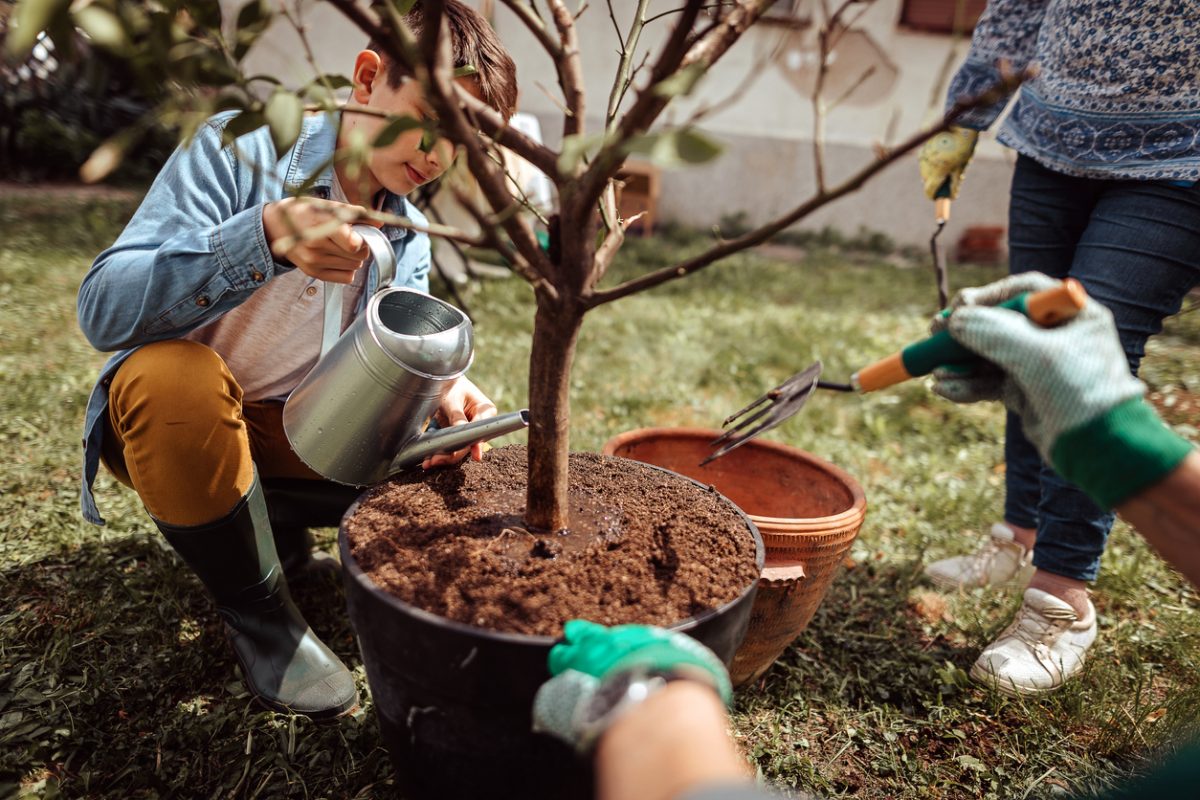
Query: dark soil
(643, 545)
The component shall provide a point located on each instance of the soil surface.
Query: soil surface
(643, 546)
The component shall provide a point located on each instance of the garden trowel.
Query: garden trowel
(1047, 308)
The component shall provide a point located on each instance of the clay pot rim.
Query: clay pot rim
(353, 571)
(858, 505)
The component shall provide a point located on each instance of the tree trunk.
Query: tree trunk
(555, 332)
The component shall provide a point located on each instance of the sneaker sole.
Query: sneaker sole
(951, 584)
(1009, 688)
(1022, 576)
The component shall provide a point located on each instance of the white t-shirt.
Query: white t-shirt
(271, 341)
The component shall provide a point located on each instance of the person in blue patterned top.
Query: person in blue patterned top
(1108, 140)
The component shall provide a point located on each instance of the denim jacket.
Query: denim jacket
(195, 249)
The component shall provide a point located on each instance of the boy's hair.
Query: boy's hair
(473, 43)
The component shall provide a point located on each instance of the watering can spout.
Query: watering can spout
(447, 440)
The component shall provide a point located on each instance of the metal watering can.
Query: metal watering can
(361, 413)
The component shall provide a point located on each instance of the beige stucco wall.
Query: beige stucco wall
(765, 123)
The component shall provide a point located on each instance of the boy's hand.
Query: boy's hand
(463, 403)
(315, 237)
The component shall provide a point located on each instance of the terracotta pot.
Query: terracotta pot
(807, 510)
(454, 700)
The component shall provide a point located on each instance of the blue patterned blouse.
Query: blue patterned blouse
(1118, 95)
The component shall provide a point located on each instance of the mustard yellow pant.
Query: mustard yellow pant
(179, 434)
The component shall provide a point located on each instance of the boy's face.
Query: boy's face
(401, 166)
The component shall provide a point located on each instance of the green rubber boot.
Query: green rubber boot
(285, 665)
(297, 505)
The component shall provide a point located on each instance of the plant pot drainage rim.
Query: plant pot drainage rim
(858, 499)
(351, 568)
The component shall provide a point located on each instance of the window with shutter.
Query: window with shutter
(942, 16)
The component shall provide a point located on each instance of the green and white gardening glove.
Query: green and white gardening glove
(946, 156)
(601, 672)
(1071, 386)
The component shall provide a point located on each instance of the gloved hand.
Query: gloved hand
(946, 155)
(982, 380)
(1071, 385)
(594, 666)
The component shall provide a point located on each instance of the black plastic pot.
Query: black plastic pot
(454, 701)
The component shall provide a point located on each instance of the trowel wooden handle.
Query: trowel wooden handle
(1051, 307)
(941, 203)
(1047, 308)
(941, 210)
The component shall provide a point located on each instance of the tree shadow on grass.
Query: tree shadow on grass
(116, 681)
(858, 703)
(865, 646)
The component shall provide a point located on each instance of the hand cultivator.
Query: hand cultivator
(1046, 308)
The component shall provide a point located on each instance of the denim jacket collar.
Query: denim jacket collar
(312, 163)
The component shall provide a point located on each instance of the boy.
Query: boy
(216, 309)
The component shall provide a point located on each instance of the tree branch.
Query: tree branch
(828, 37)
(613, 238)
(679, 52)
(570, 68)
(1006, 86)
(498, 130)
(662, 14)
(536, 26)
(490, 231)
(628, 48)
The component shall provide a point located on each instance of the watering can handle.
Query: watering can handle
(385, 259)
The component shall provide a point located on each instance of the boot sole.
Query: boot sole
(345, 709)
(332, 712)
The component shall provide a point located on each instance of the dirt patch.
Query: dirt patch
(643, 546)
(1177, 406)
(931, 607)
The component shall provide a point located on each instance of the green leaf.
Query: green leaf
(253, 14)
(103, 26)
(284, 113)
(333, 80)
(321, 90)
(675, 148)
(252, 20)
(465, 70)
(682, 82)
(248, 120)
(206, 12)
(403, 6)
(972, 763)
(30, 18)
(393, 129)
(428, 140)
(574, 148)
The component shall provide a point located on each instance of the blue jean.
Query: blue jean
(1135, 247)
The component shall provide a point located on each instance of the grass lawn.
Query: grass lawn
(115, 680)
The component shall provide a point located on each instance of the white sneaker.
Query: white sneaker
(1001, 559)
(1040, 649)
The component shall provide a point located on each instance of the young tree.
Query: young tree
(184, 41)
